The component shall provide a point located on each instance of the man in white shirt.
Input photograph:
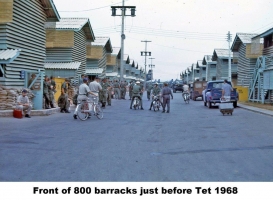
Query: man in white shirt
(185, 90)
(95, 87)
(23, 103)
(83, 92)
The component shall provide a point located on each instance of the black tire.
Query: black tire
(205, 103)
(81, 114)
(174, 91)
(235, 104)
(209, 105)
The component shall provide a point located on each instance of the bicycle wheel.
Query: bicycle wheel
(98, 112)
(81, 111)
(188, 99)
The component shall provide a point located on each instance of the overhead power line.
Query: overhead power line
(169, 46)
(91, 8)
(165, 33)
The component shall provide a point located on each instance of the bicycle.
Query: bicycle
(87, 106)
(156, 103)
(186, 97)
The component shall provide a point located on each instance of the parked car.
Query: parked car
(177, 86)
(213, 93)
(198, 87)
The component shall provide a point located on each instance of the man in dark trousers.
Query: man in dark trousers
(136, 92)
(166, 93)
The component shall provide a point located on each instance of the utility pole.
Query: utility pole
(123, 14)
(229, 58)
(122, 41)
(146, 53)
(152, 66)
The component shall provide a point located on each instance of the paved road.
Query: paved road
(191, 143)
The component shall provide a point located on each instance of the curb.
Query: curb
(256, 110)
(9, 113)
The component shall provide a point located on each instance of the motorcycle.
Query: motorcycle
(136, 103)
(156, 103)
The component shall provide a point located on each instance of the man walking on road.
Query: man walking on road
(131, 89)
(226, 90)
(122, 90)
(63, 102)
(166, 93)
(149, 89)
(95, 88)
(116, 89)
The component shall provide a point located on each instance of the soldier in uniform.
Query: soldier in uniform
(109, 92)
(104, 92)
(155, 92)
(142, 89)
(166, 93)
(46, 92)
(51, 90)
(116, 89)
(63, 102)
(149, 88)
(131, 89)
(123, 89)
(136, 92)
(33, 76)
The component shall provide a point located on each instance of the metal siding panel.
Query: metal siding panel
(245, 67)
(79, 52)
(58, 55)
(27, 33)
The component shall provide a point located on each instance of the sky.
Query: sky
(181, 31)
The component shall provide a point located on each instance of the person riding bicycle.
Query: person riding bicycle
(84, 90)
(185, 90)
(136, 93)
(155, 92)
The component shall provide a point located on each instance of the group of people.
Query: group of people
(152, 92)
(103, 90)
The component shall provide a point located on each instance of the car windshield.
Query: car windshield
(216, 85)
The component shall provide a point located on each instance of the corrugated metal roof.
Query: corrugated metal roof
(111, 73)
(264, 34)
(116, 51)
(9, 53)
(50, 10)
(126, 58)
(103, 41)
(244, 38)
(130, 77)
(100, 41)
(193, 66)
(222, 53)
(75, 24)
(94, 70)
(68, 65)
(67, 23)
(199, 63)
